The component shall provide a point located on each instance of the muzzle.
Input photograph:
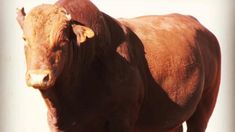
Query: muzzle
(39, 79)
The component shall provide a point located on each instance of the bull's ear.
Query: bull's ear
(20, 16)
(82, 33)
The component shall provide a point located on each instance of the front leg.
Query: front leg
(119, 125)
(126, 96)
(124, 117)
(121, 122)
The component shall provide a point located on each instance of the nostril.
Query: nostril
(39, 78)
(46, 78)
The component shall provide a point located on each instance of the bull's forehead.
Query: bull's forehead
(44, 24)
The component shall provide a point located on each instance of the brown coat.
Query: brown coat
(146, 74)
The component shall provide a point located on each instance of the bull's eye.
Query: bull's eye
(59, 46)
(56, 48)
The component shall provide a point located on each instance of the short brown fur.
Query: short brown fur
(146, 74)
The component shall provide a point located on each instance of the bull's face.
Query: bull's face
(47, 33)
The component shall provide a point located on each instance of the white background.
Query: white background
(23, 110)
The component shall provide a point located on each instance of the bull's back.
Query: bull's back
(176, 48)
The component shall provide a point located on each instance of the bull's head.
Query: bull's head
(47, 33)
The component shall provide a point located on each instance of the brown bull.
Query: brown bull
(99, 74)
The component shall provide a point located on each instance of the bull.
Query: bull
(100, 74)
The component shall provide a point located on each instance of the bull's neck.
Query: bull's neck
(61, 98)
(52, 103)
